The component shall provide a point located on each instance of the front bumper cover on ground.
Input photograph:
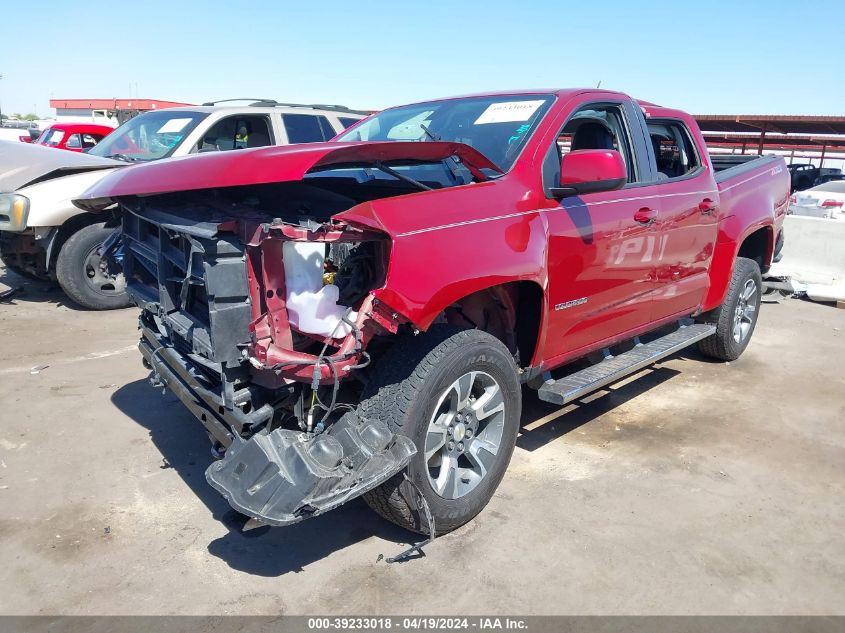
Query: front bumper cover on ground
(285, 476)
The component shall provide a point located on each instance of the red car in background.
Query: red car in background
(76, 137)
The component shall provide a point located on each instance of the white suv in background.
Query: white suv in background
(213, 127)
(43, 234)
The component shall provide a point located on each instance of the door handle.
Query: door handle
(645, 215)
(707, 206)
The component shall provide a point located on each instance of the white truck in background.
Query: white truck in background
(42, 234)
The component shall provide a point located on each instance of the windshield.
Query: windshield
(498, 127)
(50, 137)
(148, 136)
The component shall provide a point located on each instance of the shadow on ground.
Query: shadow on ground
(275, 551)
(543, 422)
(33, 290)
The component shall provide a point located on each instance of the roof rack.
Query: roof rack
(326, 106)
(256, 100)
(272, 103)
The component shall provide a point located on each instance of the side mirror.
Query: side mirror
(590, 171)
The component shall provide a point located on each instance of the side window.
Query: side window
(595, 127)
(90, 140)
(347, 122)
(307, 128)
(674, 152)
(237, 132)
(326, 127)
(74, 141)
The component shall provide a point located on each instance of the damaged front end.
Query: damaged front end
(256, 326)
(257, 273)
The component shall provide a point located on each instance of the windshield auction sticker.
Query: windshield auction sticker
(508, 111)
(173, 125)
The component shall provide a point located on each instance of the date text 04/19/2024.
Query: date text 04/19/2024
(417, 623)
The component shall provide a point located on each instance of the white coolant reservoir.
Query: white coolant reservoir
(312, 307)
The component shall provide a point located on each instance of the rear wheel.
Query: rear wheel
(456, 394)
(778, 254)
(84, 275)
(736, 318)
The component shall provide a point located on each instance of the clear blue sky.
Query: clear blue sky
(778, 57)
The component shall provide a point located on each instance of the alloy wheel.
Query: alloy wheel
(464, 434)
(745, 312)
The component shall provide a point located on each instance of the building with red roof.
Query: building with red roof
(106, 111)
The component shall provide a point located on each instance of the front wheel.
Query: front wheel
(84, 275)
(457, 395)
(736, 318)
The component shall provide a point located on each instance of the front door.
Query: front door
(602, 246)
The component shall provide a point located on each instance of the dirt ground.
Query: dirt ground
(698, 487)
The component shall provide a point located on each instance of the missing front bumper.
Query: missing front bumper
(28, 250)
(205, 399)
(283, 476)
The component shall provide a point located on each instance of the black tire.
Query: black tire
(404, 391)
(724, 344)
(778, 254)
(76, 280)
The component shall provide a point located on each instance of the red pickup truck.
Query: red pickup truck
(358, 317)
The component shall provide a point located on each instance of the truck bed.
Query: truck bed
(756, 191)
(727, 168)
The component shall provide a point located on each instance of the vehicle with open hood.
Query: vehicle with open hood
(359, 317)
(48, 237)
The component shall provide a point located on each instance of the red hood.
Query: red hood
(266, 165)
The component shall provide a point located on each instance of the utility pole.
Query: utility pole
(1, 110)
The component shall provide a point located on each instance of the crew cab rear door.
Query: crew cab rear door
(600, 253)
(688, 218)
